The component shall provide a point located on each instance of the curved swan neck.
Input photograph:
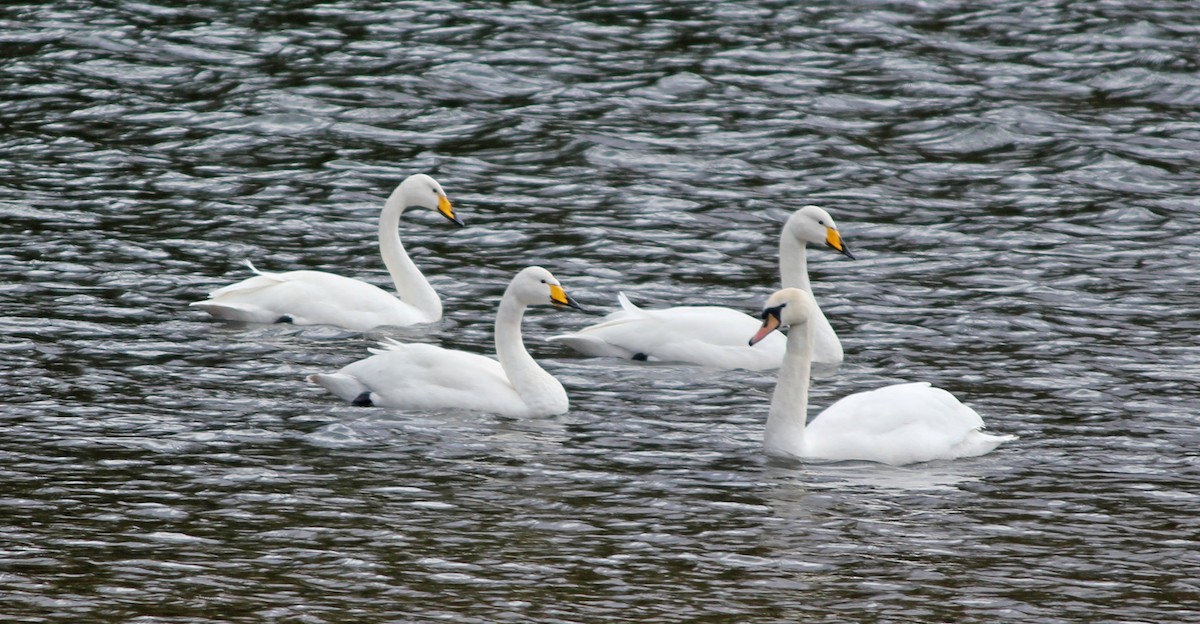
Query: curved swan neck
(793, 263)
(410, 284)
(523, 371)
(789, 403)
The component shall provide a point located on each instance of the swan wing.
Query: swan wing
(310, 298)
(899, 424)
(705, 335)
(420, 376)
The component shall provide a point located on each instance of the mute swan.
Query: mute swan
(425, 377)
(899, 424)
(319, 298)
(716, 336)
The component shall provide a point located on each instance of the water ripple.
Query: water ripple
(1015, 179)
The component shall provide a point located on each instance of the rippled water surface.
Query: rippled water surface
(1018, 180)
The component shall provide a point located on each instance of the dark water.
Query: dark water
(1018, 180)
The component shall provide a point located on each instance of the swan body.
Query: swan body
(716, 336)
(898, 424)
(426, 377)
(706, 335)
(320, 298)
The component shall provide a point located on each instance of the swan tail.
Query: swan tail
(346, 387)
(594, 341)
(276, 277)
(980, 443)
(626, 304)
(260, 281)
(629, 311)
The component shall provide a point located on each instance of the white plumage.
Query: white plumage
(716, 336)
(426, 377)
(898, 424)
(320, 298)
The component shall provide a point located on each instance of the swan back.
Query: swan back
(898, 424)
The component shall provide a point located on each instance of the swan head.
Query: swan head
(423, 191)
(790, 306)
(811, 224)
(537, 286)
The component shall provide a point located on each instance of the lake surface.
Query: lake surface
(1017, 179)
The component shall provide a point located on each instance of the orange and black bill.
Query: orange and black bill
(770, 323)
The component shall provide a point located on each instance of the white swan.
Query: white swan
(716, 336)
(319, 298)
(898, 424)
(425, 377)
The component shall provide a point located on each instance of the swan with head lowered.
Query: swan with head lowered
(715, 336)
(320, 298)
(420, 376)
(898, 424)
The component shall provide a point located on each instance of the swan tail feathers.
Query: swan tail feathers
(629, 311)
(626, 304)
(260, 281)
(346, 387)
(274, 277)
(980, 443)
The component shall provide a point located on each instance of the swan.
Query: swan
(898, 424)
(426, 377)
(716, 336)
(320, 298)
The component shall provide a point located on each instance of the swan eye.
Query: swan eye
(820, 222)
(543, 281)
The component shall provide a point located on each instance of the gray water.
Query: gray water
(1018, 180)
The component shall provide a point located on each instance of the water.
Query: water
(1017, 180)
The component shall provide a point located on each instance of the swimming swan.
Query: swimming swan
(716, 336)
(426, 377)
(898, 424)
(320, 298)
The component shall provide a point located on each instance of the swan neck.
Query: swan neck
(789, 405)
(523, 371)
(410, 284)
(793, 263)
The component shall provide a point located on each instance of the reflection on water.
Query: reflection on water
(1016, 180)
